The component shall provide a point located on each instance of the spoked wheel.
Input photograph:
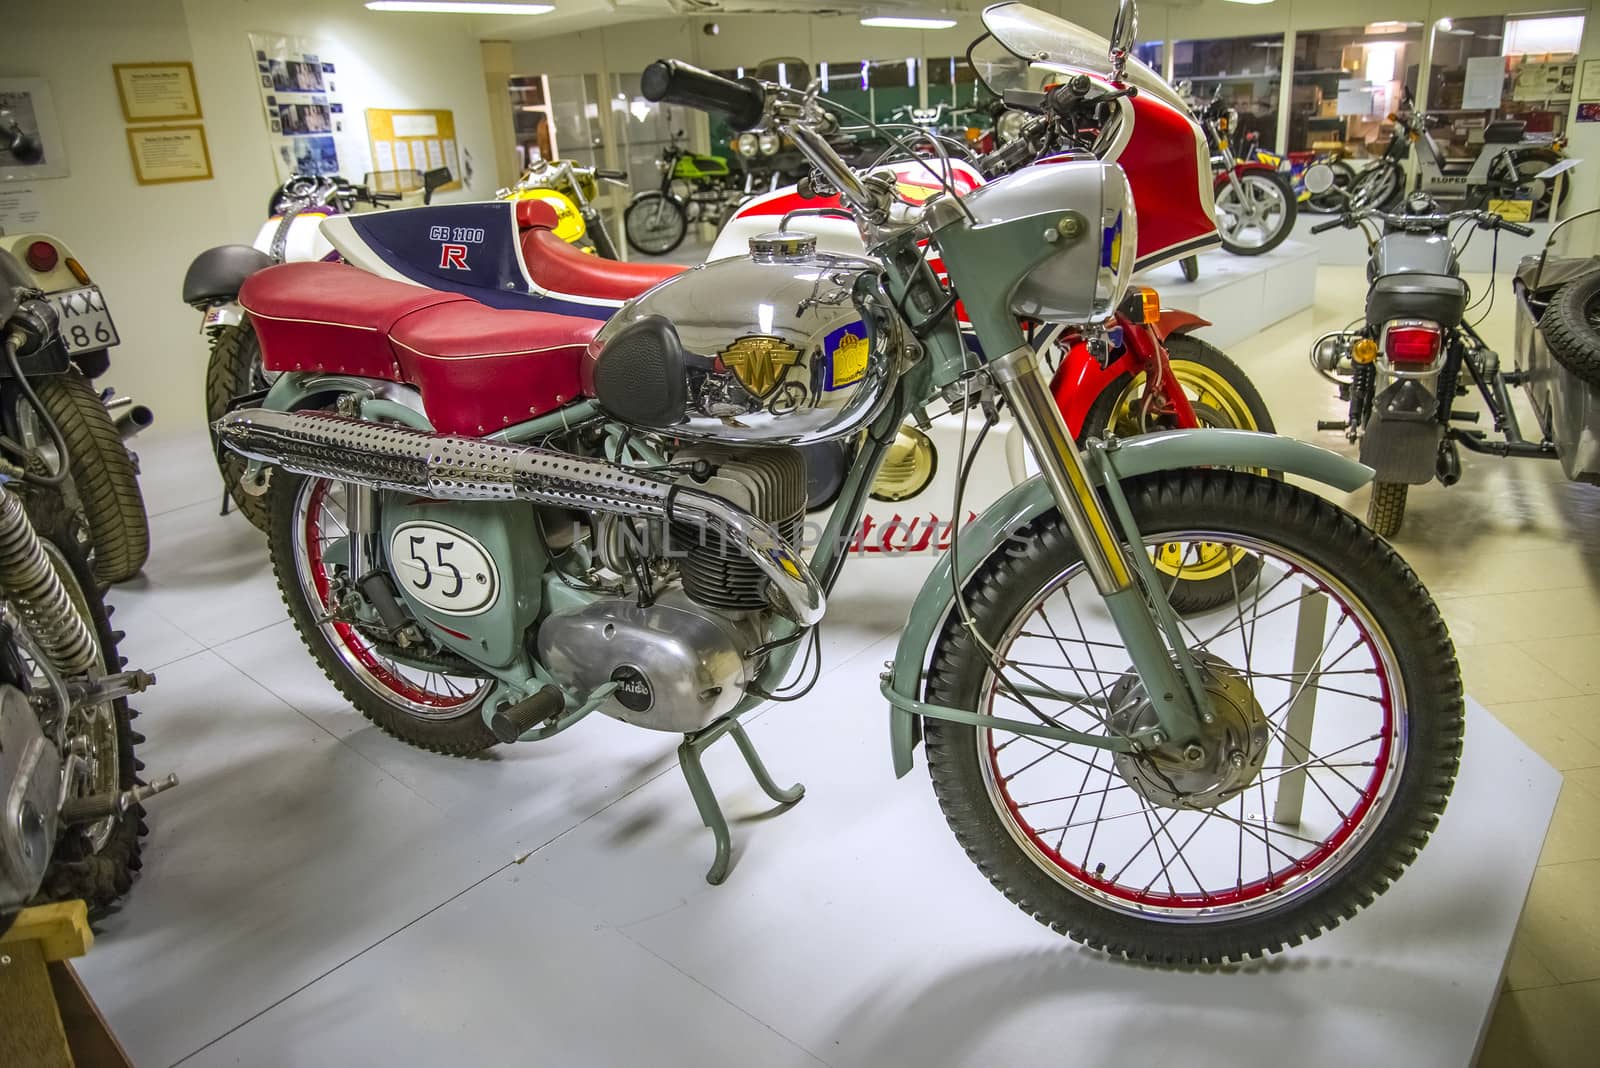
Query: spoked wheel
(1258, 216)
(1221, 395)
(1335, 741)
(418, 698)
(1528, 163)
(655, 224)
(1382, 185)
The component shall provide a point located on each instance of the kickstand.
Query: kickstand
(226, 501)
(706, 801)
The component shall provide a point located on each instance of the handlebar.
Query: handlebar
(1487, 220)
(612, 176)
(671, 81)
(1331, 224)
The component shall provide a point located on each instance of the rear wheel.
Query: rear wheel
(102, 473)
(1286, 819)
(1382, 185)
(1387, 509)
(1528, 163)
(655, 224)
(419, 698)
(234, 370)
(1258, 216)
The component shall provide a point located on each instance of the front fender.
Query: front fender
(1025, 502)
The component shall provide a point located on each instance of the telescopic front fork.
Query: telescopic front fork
(1148, 627)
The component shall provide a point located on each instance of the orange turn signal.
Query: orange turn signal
(77, 271)
(1141, 306)
(1364, 351)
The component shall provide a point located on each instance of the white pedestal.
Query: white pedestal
(1241, 295)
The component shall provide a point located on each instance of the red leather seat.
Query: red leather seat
(479, 369)
(331, 317)
(482, 369)
(558, 267)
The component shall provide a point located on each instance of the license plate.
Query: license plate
(85, 324)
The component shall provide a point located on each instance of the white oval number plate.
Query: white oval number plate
(444, 568)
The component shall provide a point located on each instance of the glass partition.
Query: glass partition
(876, 88)
(1346, 81)
(1245, 71)
(1498, 68)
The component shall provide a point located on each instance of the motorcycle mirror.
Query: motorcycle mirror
(1318, 179)
(1123, 32)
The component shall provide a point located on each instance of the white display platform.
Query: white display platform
(1241, 295)
(1349, 248)
(318, 893)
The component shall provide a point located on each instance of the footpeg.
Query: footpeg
(99, 806)
(511, 722)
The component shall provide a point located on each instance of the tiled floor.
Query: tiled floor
(1512, 553)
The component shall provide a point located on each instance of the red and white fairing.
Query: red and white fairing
(1157, 143)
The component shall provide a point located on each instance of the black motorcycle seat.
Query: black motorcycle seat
(1439, 297)
(1504, 132)
(217, 273)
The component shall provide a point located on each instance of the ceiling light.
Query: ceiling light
(1387, 27)
(470, 7)
(908, 22)
(1249, 1)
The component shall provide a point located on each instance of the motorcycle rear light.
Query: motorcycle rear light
(1411, 342)
(41, 256)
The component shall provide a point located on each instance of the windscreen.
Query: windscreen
(1031, 48)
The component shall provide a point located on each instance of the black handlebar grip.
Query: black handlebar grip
(619, 176)
(671, 81)
(1516, 228)
(1329, 225)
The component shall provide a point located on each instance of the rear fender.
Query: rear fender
(295, 391)
(1027, 501)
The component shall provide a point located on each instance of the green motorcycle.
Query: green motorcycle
(613, 527)
(693, 188)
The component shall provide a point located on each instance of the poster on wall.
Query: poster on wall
(304, 119)
(416, 139)
(1486, 78)
(28, 118)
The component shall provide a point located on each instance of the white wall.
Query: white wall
(136, 241)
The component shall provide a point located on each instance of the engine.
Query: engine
(687, 656)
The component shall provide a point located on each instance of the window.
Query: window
(1346, 81)
(1490, 68)
(1245, 71)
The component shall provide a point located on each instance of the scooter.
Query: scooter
(54, 423)
(1508, 165)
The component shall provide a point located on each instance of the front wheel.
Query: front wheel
(1258, 216)
(655, 224)
(1336, 736)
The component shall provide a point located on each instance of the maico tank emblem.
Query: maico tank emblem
(759, 362)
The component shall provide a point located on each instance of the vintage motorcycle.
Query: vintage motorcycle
(71, 812)
(48, 401)
(694, 188)
(1256, 204)
(1508, 165)
(1400, 364)
(612, 527)
(571, 190)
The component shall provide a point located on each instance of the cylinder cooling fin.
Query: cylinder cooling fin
(770, 484)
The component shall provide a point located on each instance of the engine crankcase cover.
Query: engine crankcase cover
(677, 666)
(791, 350)
(30, 787)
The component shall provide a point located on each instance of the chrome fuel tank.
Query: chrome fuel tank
(783, 346)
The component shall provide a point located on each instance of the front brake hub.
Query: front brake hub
(1204, 772)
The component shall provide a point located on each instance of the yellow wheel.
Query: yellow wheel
(1221, 396)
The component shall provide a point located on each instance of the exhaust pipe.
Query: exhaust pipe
(451, 467)
(130, 418)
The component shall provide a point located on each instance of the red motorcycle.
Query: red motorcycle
(1256, 203)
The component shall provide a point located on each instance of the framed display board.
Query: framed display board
(169, 153)
(31, 107)
(415, 139)
(157, 92)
